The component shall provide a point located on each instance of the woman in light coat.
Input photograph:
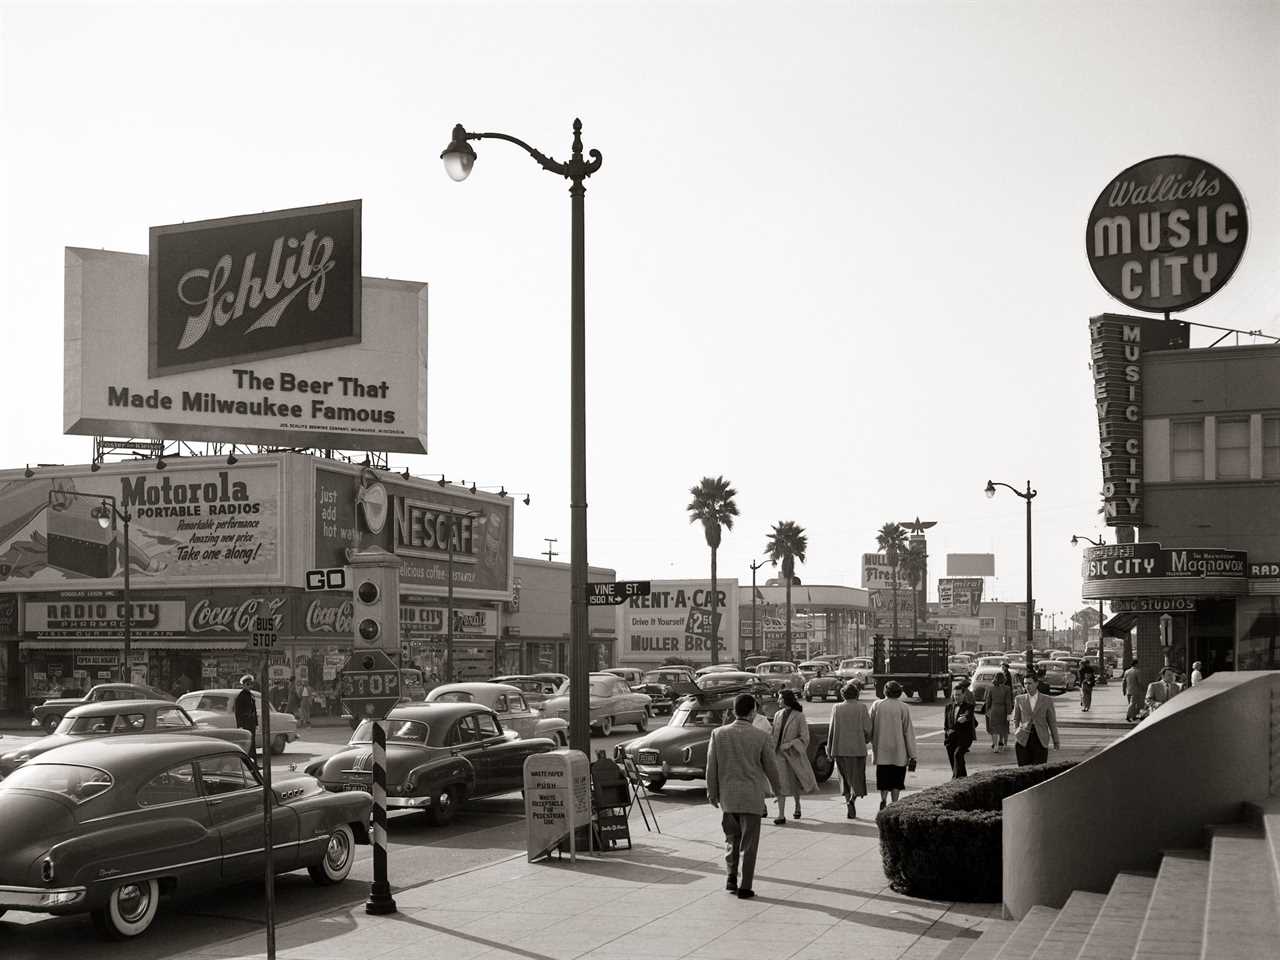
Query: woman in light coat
(791, 748)
(893, 741)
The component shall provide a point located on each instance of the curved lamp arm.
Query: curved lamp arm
(1028, 495)
(1080, 536)
(576, 169)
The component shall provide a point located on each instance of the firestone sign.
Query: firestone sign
(1166, 233)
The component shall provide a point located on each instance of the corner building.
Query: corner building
(1206, 557)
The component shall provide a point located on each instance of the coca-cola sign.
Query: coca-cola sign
(1167, 233)
(233, 614)
(232, 290)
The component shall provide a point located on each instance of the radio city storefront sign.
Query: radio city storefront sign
(255, 329)
(103, 617)
(419, 622)
(1166, 233)
(190, 525)
(1147, 569)
(432, 528)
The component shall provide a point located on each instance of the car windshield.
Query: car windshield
(76, 783)
(453, 696)
(697, 717)
(398, 731)
(777, 668)
(713, 680)
(1057, 665)
(205, 701)
(80, 726)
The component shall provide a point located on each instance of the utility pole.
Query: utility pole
(550, 552)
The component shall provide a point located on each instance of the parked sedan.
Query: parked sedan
(781, 674)
(510, 706)
(118, 718)
(678, 751)
(536, 689)
(633, 676)
(104, 827)
(438, 756)
(217, 708)
(611, 702)
(50, 713)
(666, 685)
(859, 670)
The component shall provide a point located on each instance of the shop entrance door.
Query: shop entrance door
(1211, 635)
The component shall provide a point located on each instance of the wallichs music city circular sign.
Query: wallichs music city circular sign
(1167, 233)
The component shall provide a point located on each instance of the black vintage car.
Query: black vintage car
(678, 751)
(438, 755)
(105, 826)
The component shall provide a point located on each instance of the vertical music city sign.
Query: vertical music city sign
(1116, 349)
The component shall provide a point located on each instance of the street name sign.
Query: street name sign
(620, 591)
(369, 685)
(333, 578)
(264, 635)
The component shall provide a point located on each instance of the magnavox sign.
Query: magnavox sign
(1142, 569)
(255, 329)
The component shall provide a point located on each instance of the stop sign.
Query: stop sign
(369, 685)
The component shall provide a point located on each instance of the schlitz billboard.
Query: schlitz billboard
(257, 329)
(188, 524)
(364, 508)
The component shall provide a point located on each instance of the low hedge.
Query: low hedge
(943, 843)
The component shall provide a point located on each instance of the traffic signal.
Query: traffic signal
(375, 606)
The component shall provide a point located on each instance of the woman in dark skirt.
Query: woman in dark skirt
(893, 742)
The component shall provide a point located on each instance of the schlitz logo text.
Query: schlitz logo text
(233, 290)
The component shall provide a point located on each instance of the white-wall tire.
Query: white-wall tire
(129, 910)
(339, 855)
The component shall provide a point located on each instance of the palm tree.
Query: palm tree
(713, 506)
(892, 540)
(914, 567)
(787, 543)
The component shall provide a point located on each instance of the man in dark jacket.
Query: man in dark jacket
(247, 711)
(959, 727)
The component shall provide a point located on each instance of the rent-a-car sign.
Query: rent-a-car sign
(254, 329)
(1166, 233)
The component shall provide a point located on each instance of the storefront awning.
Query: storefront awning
(1119, 625)
(65, 644)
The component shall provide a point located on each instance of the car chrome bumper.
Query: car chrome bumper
(40, 899)
(408, 803)
(667, 771)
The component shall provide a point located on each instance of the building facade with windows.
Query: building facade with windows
(1201, 579)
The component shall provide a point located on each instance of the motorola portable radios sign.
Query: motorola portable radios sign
(375, 577)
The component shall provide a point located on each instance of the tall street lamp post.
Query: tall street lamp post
(106, 513)
(1028, 496)
(1102, 661)
(755, 621)
(448, 635)
(459, 157)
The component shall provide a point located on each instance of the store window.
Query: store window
(1233, 448)
(1187, 442)
(1271, 446)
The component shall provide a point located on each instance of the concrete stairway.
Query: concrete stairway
(1220, 903)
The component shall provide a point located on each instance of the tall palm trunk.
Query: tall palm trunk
(915, 611)
(895, 597)
(715, 594)
(788, 622)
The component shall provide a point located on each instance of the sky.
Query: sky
(834, 253)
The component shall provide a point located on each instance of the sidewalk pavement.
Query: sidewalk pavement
(1106, 711)
(820, 893)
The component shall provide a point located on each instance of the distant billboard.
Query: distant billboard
(971, 564)
(675, 621)
(254, 329)
(960, 596)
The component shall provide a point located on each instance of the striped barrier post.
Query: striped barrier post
(380, 899)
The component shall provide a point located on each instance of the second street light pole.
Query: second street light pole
(459, 157)
(1028, 496)
(755, 621)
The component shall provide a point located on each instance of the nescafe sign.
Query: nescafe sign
(1167, 233)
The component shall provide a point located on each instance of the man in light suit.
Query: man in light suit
(1034, 724)
(1160, 691)
(741, 774)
